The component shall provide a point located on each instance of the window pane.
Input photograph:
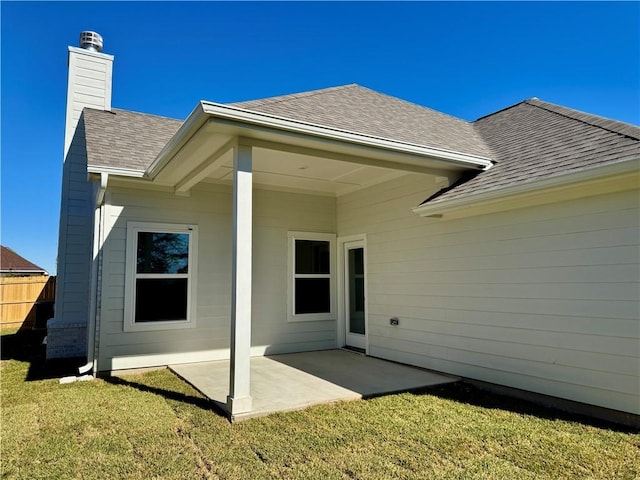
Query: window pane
(312, 256)
(358, 299)
(312, 295)
(356, 279)
(163, 252)
(356, 290)
(356, 255)
(356, 306)
(161, 299)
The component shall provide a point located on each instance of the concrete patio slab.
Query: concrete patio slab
(294, 381)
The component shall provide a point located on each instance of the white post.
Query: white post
(239, 398)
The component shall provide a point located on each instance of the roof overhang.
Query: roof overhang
(118, 171)
(213, 127)
(24, 272)
(612, 177)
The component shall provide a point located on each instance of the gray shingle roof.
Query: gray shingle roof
(529, 141)
(125, 139)
(534, 140)
(361, 110)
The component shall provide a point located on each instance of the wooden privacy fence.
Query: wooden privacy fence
(27, 300)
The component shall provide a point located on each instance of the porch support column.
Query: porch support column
(239, 398)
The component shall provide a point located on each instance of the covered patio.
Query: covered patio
(227, 144)
(294, 381)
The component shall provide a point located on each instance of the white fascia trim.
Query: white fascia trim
(271, 121)
(122, 172)
(196, 119)
(619, 168)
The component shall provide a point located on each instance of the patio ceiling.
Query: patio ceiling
(309, 173)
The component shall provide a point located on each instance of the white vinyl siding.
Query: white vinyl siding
(210, 206)
(543, 298)
(75, 238)
(89, 86)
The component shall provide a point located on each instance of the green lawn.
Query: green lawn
(153, 425)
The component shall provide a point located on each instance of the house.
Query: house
(14, 265)
(26, 291)
(503, 250)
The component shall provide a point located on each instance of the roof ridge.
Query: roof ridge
(292, 96)
(596, 119)
(502, 110)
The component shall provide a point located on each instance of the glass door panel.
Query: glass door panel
(354, 295)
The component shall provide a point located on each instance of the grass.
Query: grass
(153, 425)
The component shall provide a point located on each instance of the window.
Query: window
(159, 284)
(311, 276)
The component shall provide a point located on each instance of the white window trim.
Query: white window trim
(291, 275)
(130, 276)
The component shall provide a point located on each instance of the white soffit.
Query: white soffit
(298, 172)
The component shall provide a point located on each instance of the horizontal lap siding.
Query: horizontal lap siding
(544, 298)
(210, 207)
(75, 236)
(276, 213)
(89, 86)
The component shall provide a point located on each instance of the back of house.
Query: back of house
(503, 250)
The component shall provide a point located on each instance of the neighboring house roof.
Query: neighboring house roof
(11, 262)
(125, 139)
(528, 141)
(534, 139)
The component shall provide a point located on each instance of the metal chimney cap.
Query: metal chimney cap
(91, 41)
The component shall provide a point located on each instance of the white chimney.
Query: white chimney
(89, 86)
(90, 73)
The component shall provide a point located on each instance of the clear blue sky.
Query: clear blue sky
(465, 59)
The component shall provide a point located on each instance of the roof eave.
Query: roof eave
(196, 119)
(118, 171)
(12, 271)
(438, 209)
(209, 110)
(281, 123)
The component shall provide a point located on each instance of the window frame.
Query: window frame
(291, 275)
(131, 275)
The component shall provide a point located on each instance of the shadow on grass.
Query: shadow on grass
(466, 393)
(26, 346)
(200, 402)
